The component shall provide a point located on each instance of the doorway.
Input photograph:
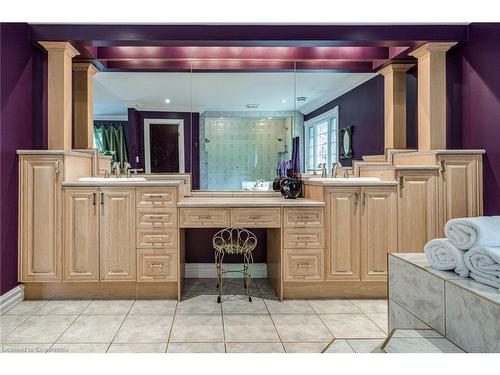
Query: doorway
(164, 145)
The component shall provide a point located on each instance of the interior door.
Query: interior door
(164, 148)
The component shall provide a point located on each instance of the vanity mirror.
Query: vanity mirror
(228, 128)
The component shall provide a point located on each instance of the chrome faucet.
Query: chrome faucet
(115, 167)
(322, 166)
(126, 169)
(335, 167)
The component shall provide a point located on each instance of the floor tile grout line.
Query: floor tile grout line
(69, 325)
(121, 325)
(328, 328)
(276, 328)
(371, 320)
(172, 326)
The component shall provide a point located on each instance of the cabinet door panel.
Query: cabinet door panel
(81, 235)
(378, 231)
(117, 235)
(459, 188)
(343, 223)
(40, 219)
(417, 210)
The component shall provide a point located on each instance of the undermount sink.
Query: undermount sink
(111, 179)
(343, 180)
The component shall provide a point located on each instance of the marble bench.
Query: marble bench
(465, 312)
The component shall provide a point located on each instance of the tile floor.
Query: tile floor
(197, 324)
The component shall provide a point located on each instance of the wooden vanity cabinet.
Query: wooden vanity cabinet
(81, 234)
(379, 231)
(460, 187)
(417, 208)
(343, 234)
(40, 217)
(117, 234)
(362, 229)
(157, 235)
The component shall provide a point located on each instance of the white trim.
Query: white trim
(147, 151)
(207, 270)
(12, 297)
(111, 117)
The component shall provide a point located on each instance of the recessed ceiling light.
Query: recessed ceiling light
(167, 101)
(301, 98)
(269, 118)
(283, 101)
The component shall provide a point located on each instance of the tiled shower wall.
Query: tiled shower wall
(236, 147)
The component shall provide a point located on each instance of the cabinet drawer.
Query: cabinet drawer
(303, 265)
(303, 217)
(152, 238)
(255, 217)
(155, 197)
(204, 217)
(157, 217)
(156, 266)
(304, 238)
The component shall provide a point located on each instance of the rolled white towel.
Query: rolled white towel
(469, 232)
(443, 255)
(484, 265)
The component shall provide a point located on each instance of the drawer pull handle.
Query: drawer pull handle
(304, 237)
(157, 238)
(254, 217)
(159, 217)
(303, 265)
(303, 217)
(159, 196)
(204, 217)
(156, 265)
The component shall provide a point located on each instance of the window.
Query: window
(321, 139)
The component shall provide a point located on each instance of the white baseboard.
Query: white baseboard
(12, 297)
(207, 270)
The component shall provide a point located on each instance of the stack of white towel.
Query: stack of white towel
(472, 248)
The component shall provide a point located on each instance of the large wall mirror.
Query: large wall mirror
(231, 129)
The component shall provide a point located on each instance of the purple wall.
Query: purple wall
(363, 108)
(473, 93)
(135, 139)
(22, 126)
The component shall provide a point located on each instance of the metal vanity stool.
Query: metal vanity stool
(234, 241)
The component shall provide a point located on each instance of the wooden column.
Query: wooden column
(83, 99)
(395, 105)
(59, 93)
(432, 94)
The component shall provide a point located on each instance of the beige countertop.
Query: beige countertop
(330, 183)
(149, 183)
(255, 201)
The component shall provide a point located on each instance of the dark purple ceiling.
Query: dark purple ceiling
(359, 48)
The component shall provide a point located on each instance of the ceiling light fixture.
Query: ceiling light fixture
(301, 98)
(167, 101)
(283, 101)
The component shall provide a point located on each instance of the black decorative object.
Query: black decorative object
(345, 139)
(290, 188)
